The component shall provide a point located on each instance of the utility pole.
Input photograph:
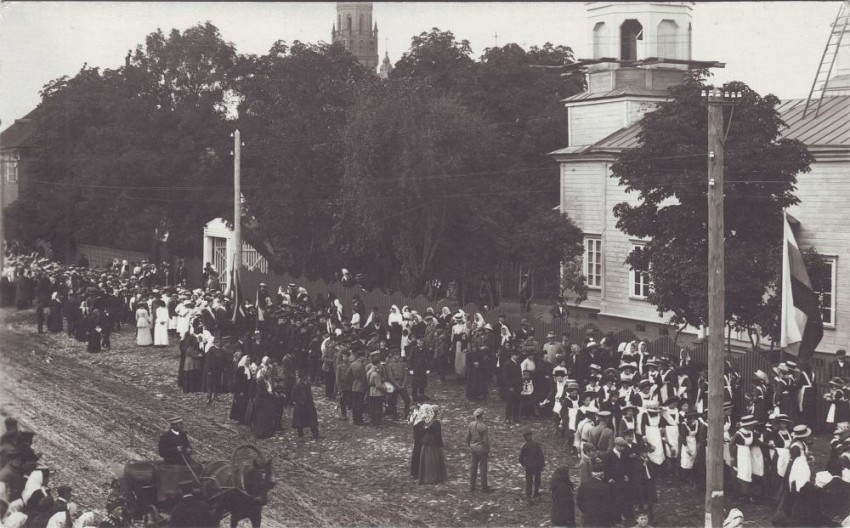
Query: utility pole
(715, 100)
(237, 201)
(2, 210)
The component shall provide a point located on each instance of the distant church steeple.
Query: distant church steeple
(386, 67)
(355, 30)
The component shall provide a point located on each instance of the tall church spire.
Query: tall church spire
(355, 33)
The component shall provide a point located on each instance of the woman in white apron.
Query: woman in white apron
(160, 330)
(782, 443)
(757, 456)
(671, 429)
(182, 311)
(651, 423)
(743, 440)
(688, 431)
(727, 434)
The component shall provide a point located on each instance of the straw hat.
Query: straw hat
(801, 431)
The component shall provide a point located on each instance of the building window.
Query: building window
(667, 31)
(600, 40)
(824, 286)
(593, 262)
(348, 23)
(630, 33)
(360, 25)
(10, 170)
(638, 281)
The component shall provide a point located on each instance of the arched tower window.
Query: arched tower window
(667, 32)
(348, 23)
(360, 25)
(600, 40)
(630, 33)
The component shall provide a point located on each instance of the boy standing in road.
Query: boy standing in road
(531, 458)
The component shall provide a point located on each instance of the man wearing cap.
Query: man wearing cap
(840, 367)
(594, 500)
(553, 347)
(602, 434)
(174, 447)
(478, 441)
(512, 380)
(618, 464)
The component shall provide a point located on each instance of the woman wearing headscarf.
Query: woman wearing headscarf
(563, 511)
(417, 419)
(143, 326)
(54, 316)
(263, 419)
(432, 462)
(395, 323)
(241, 381)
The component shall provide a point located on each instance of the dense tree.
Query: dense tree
(294, 109)
(123, 154)
(668, 172)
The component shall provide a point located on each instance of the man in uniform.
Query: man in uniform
(174, 447)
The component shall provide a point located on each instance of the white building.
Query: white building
(603, 122)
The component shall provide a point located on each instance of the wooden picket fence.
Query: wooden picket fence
(745, 363)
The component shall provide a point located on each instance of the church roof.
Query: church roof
(829, 130)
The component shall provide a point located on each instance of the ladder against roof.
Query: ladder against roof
(827, 62)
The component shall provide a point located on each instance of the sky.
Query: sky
(775, 47)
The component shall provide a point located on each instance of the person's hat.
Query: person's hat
(644, 383)
(628, 365)
(559, 371)
(612, 372)
(604, 413)
(174, 420)
(597, 465)
(652, 363)
(620, 442)
(291, 286)
(64, 491)
(551, 334)
(263, 285)
(841, 352)
(781, 417)
(727, 405)
(652, 406)
(791, 364)
(527, 434)
(478, 412)
(374, 354)
(837, 382)
(760, 375)
(801, 431)
(572, 385)
(458, 317)
(488, 326)
(594, 366)
(592, 344)
(691, 414)
(661, 360)
(748, 420)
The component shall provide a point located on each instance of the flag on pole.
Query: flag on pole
(802, 326)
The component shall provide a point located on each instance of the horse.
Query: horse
(240, 490)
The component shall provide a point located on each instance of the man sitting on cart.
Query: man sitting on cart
(174, 447)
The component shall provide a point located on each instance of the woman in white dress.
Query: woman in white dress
(671, 430)
(743, 441)
(143, 326)
(651, 425)
(160, 331)
(688, 434)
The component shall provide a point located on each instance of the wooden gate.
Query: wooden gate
(220, 259)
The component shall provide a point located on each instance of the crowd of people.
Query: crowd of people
(627, 416)
(26, 497)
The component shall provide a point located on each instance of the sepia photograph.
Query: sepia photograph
(424, 264)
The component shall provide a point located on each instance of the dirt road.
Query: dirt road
(94, 412)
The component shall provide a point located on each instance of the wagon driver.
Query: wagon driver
(174, 443)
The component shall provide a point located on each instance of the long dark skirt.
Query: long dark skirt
(418, 431)
(193, 381)
(239, 407)
(432, 465)
(264, 417)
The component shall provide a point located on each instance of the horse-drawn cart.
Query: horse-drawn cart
(150, 491)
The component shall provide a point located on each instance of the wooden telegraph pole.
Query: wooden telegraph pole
(716, 100)
(237, 202)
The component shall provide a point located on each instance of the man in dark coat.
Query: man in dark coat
(512, 383)
(420, 365)
(359, 383)
(602, 434)
(193, 511)
(304, 414)
(594, 498)
(618, 467)
(174, 443)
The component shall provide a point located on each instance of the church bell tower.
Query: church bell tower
(356, 31)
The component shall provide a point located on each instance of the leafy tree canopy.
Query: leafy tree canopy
(668, 174)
